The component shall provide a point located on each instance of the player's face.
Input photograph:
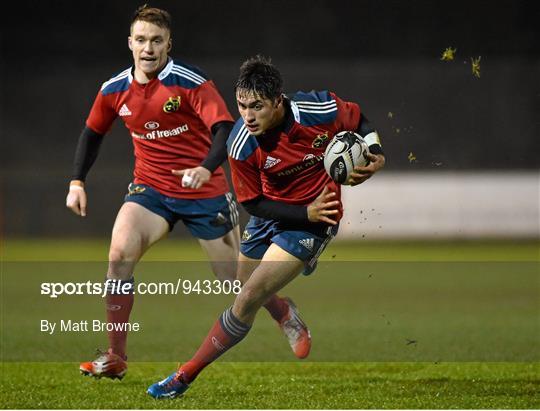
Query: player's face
(259, 114)
(150, 45)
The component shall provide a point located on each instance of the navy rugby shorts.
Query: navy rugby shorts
(205, 218)
(305, 244)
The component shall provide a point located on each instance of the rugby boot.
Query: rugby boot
(107, 364)
(296, 331)
(171, 387)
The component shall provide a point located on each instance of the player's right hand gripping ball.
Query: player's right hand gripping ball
(344, 152)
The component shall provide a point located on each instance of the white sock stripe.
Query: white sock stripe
(240, 331)
(233, 325)
(229, 326)
(237, 322)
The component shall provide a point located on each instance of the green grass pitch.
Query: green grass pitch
(419, 325)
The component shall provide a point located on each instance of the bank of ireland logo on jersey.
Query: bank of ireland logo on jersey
(151, 125)
(320, 140)
(172, 104)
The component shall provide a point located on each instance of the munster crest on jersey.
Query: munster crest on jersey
(172, 104)
(320, 140)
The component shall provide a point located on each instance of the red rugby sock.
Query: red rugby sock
(226, 333)
(277, 307)
(118, 310)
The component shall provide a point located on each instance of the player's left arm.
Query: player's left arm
(376, 156)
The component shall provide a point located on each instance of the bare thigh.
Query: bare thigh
(135, 230)
(276, 269)
(246, 266)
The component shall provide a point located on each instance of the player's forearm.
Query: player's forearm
(218, 150)
(276, 210)
(370, 135)
(86, 153)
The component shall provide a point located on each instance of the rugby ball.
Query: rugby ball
(344, 152)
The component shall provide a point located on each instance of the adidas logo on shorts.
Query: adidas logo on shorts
(308, 243)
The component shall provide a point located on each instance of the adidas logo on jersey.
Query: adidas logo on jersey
(308, 243)
(124, 111)
(271, 162)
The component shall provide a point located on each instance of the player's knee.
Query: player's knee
(127, 249)
(225, 271)
(122, 260)
(118, 255)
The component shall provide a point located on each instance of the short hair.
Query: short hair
(259, 76)
(159, 17)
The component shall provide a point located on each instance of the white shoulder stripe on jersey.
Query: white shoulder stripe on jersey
(119, 77)
(317, 107)
(181, 74)
(239, 142)
(189, 72)
(237, 137)
(121, 74)
(185, 75)
(331, 106)
(315, 103)
(116, 79)
(302, 110)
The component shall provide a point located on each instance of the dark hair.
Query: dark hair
(159, 17)
(259, 76)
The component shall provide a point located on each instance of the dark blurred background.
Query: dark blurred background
(385, 55)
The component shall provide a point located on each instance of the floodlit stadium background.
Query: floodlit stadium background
(462, 152)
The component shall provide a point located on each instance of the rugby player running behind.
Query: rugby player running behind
(179, 125)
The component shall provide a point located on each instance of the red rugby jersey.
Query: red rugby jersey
(287, 164)
(169, 120)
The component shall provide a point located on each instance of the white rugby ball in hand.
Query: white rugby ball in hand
(186, 181)
(344, 152)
